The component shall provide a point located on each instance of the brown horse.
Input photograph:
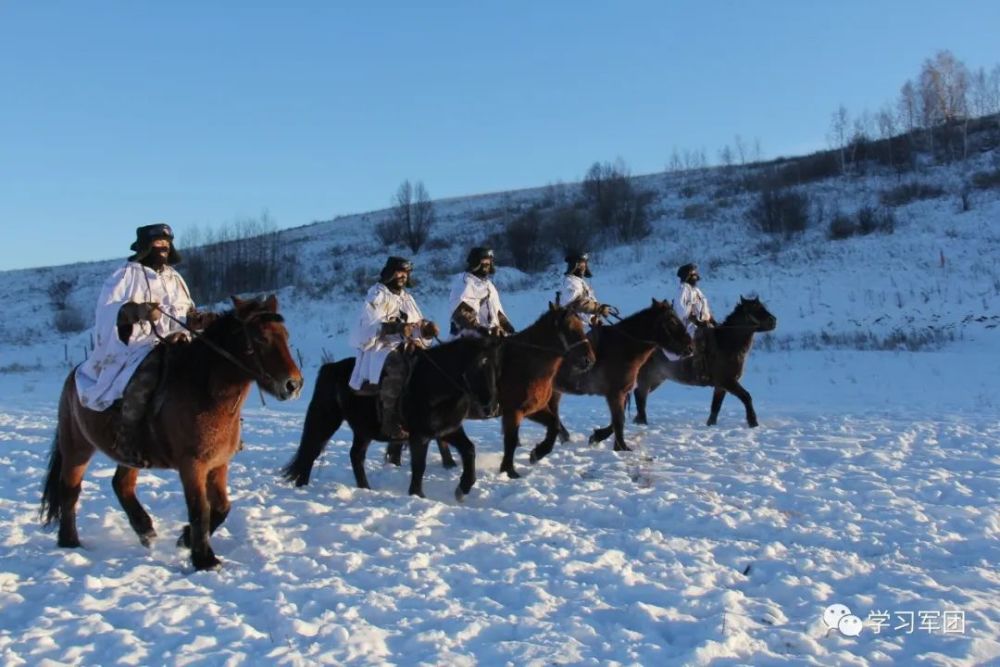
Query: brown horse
(622, 349)
(531, 359)
(196, 431)
(728, 352)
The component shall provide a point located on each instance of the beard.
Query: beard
(157, 257)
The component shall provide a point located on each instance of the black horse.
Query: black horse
(727, 351)
(446, 383)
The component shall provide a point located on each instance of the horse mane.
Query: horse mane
(198, 353)
(533, 329)
(733, 319)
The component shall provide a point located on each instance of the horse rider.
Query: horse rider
(389, 322)
(130, 323)
(691, 306)
(474, 300)
(576, 293)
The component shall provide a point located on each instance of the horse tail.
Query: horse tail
(51, 509)
(323, 418)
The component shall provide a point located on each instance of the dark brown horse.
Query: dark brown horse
(727, 354)
(622, 349)
(531, 359)
(446, 383)
(196, 431)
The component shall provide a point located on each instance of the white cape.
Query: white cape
(381, 306)
(101, 379)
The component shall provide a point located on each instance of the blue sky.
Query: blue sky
(119, 114)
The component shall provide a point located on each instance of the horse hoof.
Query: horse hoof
(710, 422)
(533, 458)
(622, 448)
(418, 494)
(206, 561)
(459, 494)
(752, 424)
(73, 543)
(512, 474)
(146, 539)
(640, 420)
(448, 465)
(185, 539)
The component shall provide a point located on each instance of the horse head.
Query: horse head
(255, 335)
(568, 329)
(481, 375)
(668, 331)
(751, 312)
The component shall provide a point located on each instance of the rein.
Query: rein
(259, 375)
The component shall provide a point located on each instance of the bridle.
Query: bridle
(259, 374)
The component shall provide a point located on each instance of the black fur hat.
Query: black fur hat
(686, 271)
(144, 237)
(394, 264)
(476, 257)
(574, 258)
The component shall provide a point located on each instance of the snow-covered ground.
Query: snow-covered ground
(872, 481)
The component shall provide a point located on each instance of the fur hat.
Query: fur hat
(686, 271)
(574, 258)
(476, 257)
(394, 264)
(144, 237)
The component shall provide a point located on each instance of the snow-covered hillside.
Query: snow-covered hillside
(872, 481)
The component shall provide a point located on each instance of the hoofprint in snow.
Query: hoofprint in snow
(708, 544)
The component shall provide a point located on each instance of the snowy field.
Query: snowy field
(871, 483)
(708, 546)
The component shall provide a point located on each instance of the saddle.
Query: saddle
(367, 389)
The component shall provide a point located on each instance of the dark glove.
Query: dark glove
(199, 320)
(604, 310)
(391, 328)
(429, 330)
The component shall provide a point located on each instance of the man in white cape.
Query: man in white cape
(474, 301)
(389, 319)
(577, 295)
(129, 324)
(691, 306)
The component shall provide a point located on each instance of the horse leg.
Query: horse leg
(394, 452)
(359, 448)
(447, 460)
(552, 426)
(323, 417)
(123, 484)
(553, 406)
(467, 450)
(195, 480)
(641, 393)
(617, 405)
(717, 397)
(418, 464)
(218, 502)
(511, 440)
(737, 390)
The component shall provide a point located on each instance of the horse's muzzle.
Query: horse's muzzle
(291, 388)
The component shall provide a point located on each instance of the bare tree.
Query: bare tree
(886, 121)
(908, 107)
(726, 156)
(410, 219)
(423, 218)
(944, 88)
(741, 149)
(838, 137)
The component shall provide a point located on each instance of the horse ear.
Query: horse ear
(743, 299)
(237, 301)
(557, 299)
(271, 303)
(553, 306)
